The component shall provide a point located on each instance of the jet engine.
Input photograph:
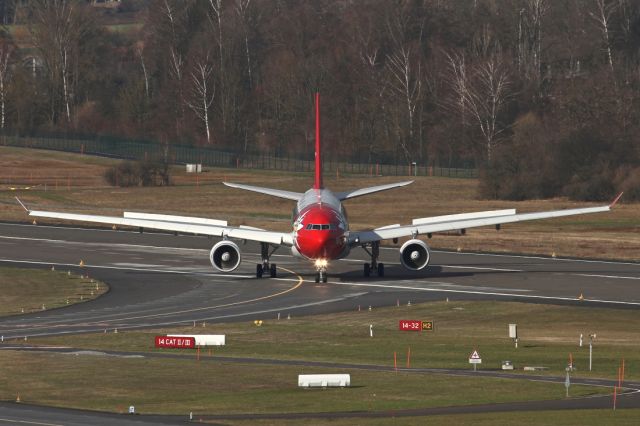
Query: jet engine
(225, 256)
(414, 255)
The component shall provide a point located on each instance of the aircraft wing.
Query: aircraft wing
(463, 221)
(184, 224)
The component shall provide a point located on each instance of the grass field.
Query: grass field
(74, 183)
(32, 290)
(525, 418)
(180, 386)
(547, 335)
(213, 385)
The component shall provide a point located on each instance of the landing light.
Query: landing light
(321, 263)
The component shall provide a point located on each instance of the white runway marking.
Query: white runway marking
(166, 271)
(522, 256)
(608, 276)
(480, 268)
(484, 293)
(105, 244)
(26, 422)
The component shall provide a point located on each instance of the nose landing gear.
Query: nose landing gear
(321, 276)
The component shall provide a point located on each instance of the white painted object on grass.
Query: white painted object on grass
(194, 168)
(324, 380)
(205, 339)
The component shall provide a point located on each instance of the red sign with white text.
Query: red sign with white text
(175, 342)
(410, 325)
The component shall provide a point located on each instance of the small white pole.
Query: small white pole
(370, 330)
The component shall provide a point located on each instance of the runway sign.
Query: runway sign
(415, 325)
(175, 342)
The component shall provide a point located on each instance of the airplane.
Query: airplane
(321, 231)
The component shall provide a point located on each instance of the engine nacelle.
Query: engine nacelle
(225, 256)
(414, 255)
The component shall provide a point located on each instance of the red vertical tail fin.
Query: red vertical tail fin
(318, 182)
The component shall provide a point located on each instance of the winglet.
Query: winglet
(23, 206)
(613, 203)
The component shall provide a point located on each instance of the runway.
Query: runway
(161, 279)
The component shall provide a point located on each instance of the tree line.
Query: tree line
(541, 95)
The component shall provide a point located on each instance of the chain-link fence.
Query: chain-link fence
(210, 157)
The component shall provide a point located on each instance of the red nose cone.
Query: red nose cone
(320, 235)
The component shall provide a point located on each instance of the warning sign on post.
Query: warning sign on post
(474, 358)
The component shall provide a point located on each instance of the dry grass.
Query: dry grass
(74, 183)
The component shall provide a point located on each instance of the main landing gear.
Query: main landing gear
(374, 266)
(265, 267)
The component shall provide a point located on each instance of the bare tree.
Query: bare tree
(215, 18)
(203, 93)
(370, 100)
(140, 51)
(405, 75)
(482, 96)
(5, 75)
(406, 84)
(602, 16)
(175, 16)
(530, 39)
(57, 28)
(242, 9)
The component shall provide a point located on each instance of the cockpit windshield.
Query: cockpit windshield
(321, 226)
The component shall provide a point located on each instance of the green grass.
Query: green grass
(629, 417)
(29, 290)
(548, 334)
(213, 385)
(179, 386)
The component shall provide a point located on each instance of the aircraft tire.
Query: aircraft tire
(367, 270)
(273, 272)
(381, 269)
(317, 277)
(259, 271)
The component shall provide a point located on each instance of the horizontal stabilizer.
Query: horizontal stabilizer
(289, 195)
(371, 190)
